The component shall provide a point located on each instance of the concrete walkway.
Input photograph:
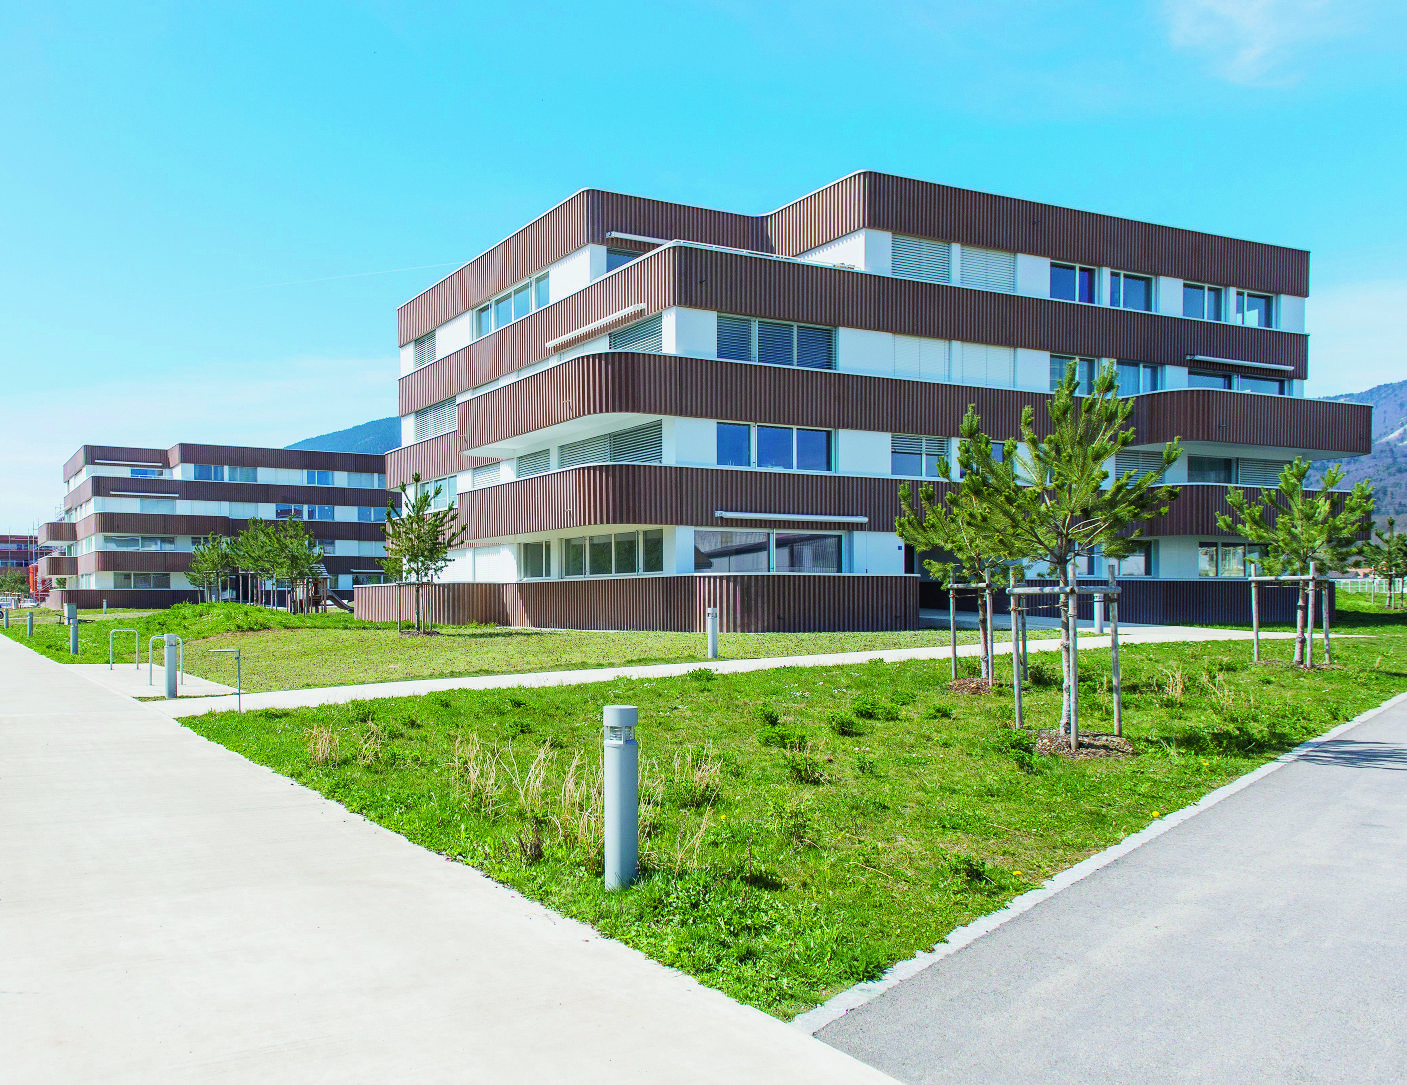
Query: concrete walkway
(170, 912)
(303, 698)
(138, 682)
(1262, 940)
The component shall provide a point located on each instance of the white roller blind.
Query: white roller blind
(922, 259)
(535, 463)
(918, 359)
(1264, 473)
(1139, 461)
(486, 475)
(979, 363)
(641, 444)
(432, 421)
(990, 269)
(591, 450)
(646, 336)
(425, 349)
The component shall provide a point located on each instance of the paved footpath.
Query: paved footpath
(170, 912)
(1262, 940)
(303, 698)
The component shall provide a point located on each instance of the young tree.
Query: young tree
(1296, 528)
(297, 556)
(256, 552)
(955, 525)
(1046, 499)
(419, 538)
(212, 560)
(1387, 557)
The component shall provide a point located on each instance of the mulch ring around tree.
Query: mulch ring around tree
(420, 632)
(1092, 744)
(969, 685)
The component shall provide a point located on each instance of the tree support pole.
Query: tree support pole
(1309, 638)
(953, 627)
(1328, 653)
(1255, 622)
(1115, 680)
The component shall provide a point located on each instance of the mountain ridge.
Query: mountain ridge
(376, 438)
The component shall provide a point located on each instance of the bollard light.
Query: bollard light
(73, 638)
(621, 756)
(171, 640)
(711, 625)
(7, 617)
(29, 623)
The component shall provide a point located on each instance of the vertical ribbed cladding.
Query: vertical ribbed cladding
(1195, 510)
(823, 216)
(648, 280)
(90, 454)
(1205, 414)
(434, 457)
(906, 206)
(747, 603)
(558, 233)
(670, 221)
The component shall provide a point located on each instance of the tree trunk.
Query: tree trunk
(1063, 579)
(984, 665)
(419, 624)
(1301, 608)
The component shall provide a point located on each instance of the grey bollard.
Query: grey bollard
(29, 623)
(71, 612)
(1098, 613)
(7, 617)
(170, 664)
(104, 607)
(711, 625)
(622, 795)
(73, 638)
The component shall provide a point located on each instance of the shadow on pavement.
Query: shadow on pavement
(1354, 754)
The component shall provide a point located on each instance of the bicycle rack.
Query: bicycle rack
(136, 647)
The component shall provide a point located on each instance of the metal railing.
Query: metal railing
(136, 647)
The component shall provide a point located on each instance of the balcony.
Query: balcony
(57, 531)
(57, 565)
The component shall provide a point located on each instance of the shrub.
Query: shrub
(1020, 746)
(870, 708)
(792, 819)
(844, 725)
(805, 766)
(938, 712)
(776, 733)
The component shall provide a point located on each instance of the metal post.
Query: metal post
(953, 627)
(1309, 633)
(711, 625)
(29, 623)
(1328, 657)
(7, 617)
(991, 636)
(621, 755)
(104, 608)
(1015, 661)
(1025, 654)
(1074, 612)
(1114, 678)
(169, 662)
(1255, 621)
(73, 637)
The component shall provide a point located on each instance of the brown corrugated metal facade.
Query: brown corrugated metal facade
(873, 200)
(747, 603)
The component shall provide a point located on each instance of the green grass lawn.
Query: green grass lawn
(805, 828)
(283, 651)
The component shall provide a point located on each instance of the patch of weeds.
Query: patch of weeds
(845, 726)
(476, 774)
(1043, 673)
(696, 779)
(372, 746)
(871, 708)
(792, 819)
(774, 732)
(702, 675)
(938, 712)
(1020, 746)
(323, 746)
(805, 766)
(965, 874)
(516, 726)
(529, 841)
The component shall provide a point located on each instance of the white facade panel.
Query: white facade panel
(407, 430)
(847, 251)
(460, 569)
(879, 252)
(861, 452)
(858, 351)
(1177, 557)
(876, 552)
(679, 557)
(691, 441)
(1291, 313)
(453, 335)
(1032, 369)
(1168, 295)
(1174, 376)
(691, 332)
(1032, 275)
(572, 272)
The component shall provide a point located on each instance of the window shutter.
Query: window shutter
(485, 475)
(591, 450)
(1265, 473)
(1139, 461)
(918, 359)
(642, 444)
(735, 338)
(645, 336)
(922, 259)
(535, 463)
(776, 343)
(815, 347)
(981, 364)
(990, 269)
(425, 350)
(435, 420)
(905, 444)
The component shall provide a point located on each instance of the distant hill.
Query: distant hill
(374, 438)
(1386, 464)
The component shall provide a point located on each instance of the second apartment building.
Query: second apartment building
(642, 408)
(132, 516)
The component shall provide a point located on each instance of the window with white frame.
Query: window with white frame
(1135, 378)
(1130, 291)
(916, 457)
(537, 560)
(141, 580)
(1254, 310)
(781, 448)
(1203, 302)
(1085, 370)
(209, 472)
(774, 342)
(148, 472)
(141, 542)
(366, 480)
(436, 420)
(620, 257)
(318, 478)
(619, 553)
(319, 512)
(1139, 562)
(371, 514)
(511, 305)
(1073, 282)
(1225, 559)
(767, 551)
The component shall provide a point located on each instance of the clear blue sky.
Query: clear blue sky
(201, 205)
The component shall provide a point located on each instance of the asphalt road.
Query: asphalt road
(1263, 940)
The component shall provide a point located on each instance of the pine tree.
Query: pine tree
(419, 538)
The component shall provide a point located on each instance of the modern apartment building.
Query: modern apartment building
(642, 409)
(18, 551)
(132, 516)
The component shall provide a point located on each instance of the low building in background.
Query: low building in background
(642, 409)
(18, 552)
(133, 515)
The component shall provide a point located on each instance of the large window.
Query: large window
(319, 512)
(773, 342)
(916, 457)
(1139, 562)
(143, 542)
(207, 472)
(1136, 378)
(288, 512)
(142, 580)
(512, 305)
(1225, 559)
(1085, 370)
(1211, 469)
(537, 560)
(372, 514)
(763, 551)
(618, 554)
(318, 478)
(1130, 291)
(620, 257)
(367, 480)
(1071, 282)
(1254, 309)
(1264, 385)
(781, 448)
(1202, 302)
(1197, 379)
(148, 472)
